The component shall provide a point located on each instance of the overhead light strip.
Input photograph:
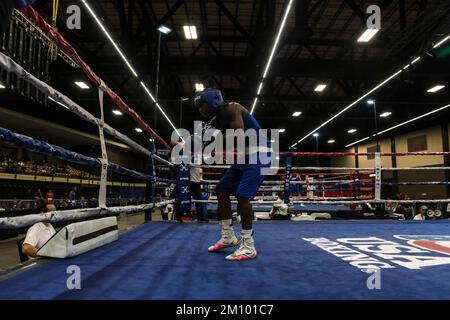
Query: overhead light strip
(127, 62)
(109, 37)
(437, 45)
(351, 105)
(414, 119)
(272, 53)
(356, 142)
(436, 89)
(371, 91)
(368, 35)
(401, 124)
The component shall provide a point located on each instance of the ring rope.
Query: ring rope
(68, 49)
(58, 152)
(363, 154)
(338, 202)
(333, 168)
(11, 66)
(67, 215)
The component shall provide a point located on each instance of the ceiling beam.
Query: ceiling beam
(170, 13)
(198, 65)
(357, 9)
(232, 18)
(291, 39)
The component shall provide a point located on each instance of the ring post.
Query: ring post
(183, 187)
(377, 176)
(104, 158)
(287, 181)
(150, 185)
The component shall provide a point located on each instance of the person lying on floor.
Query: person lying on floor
(39, 233)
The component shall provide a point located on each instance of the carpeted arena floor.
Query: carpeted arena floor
(168, 260)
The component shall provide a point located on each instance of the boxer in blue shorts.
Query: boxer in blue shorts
(241, 180)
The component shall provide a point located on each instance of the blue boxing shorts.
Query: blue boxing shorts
(242, 180)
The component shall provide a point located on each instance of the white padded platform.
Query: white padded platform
(80, 237)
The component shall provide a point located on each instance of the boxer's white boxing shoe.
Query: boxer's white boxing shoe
(228, 239)
(246, 250)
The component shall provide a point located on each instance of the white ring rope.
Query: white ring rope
(11, 66)
(67, 215)
(305, 202)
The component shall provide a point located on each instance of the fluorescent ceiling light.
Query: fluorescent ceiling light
(403, 123)
(416, 60)
(320, 88)
(190, 32)
(109, 37)
(296, 113)
(436, 89)
(385, 114)
(356, 142)
(117, 112)
(2, 86)
(381, 84)
(148, 92)
(281, 130)
(138, 130)
(274, 48)
(193, 32)
(315, 135)
(352, 131)
(441, 42)
(127, 63)
(259, 88)
(151, 140)
(164, 29)
(254, 104)
(331, 141)
(414, 119)
(352, 104)
(82, 85)
(370, 102)
(368, 35)
(160, 109)
(199, 87)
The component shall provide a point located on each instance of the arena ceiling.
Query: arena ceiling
(319, 46)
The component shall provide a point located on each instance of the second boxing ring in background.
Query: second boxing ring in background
(346, 187)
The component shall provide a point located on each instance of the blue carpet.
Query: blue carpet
(165, 260)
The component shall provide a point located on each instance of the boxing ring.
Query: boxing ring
(169, 261)
(297, 260)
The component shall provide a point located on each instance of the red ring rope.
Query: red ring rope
(68, 49)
